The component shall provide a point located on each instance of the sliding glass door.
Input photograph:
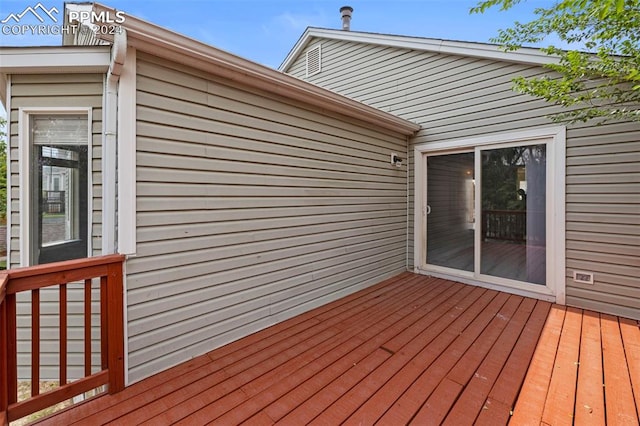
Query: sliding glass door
(485, 213)
(451, 211)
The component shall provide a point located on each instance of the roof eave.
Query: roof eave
(55, 59)
(161, 42)
(295, 50)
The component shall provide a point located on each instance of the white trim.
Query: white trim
(24, 159)
(126, 184)
(67, 59)
(4, 90)
(24, 144)
(557, 192)
(125, 319)
(476, 50)
(7, 104)
(127, 156)
(542, 294)
(555, 138)
(407, 182)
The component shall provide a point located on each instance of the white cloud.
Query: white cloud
(298, 22)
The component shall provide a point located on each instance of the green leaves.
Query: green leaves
(598, 76)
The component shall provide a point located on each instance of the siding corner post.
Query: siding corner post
(109, 140)
(115, 321)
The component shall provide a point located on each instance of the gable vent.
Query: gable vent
(314, 61)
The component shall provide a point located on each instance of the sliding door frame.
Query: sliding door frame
(555, 140)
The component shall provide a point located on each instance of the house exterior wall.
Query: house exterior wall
(45, 91)
(458, 97)
(250, 209)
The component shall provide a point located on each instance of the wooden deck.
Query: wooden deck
(412, 349)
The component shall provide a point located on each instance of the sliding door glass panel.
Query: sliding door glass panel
(513, 200)
(450, 210)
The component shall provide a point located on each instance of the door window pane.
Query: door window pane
(450, 210)
(513, 198)
(59, 193)
(60, 201)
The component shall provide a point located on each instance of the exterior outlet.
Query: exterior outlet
(583, 277)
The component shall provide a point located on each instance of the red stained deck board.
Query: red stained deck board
(407, 334)
(507, 385)
(432, 321)
(493, 413)
(364, 390)
(435, 409)
(429, 378)
(280, 332)
(418, 353)
(270, 386)
(482, 363)
(589, 407)
(404, 316)
(256, 342)
(228, 394)
(242, 371)
(630, 330)
(109, 407)
(468, 365)
(531, 400)
(562, 389)
(335, 364)
(496, 370)
(307, 411)
(618, 393)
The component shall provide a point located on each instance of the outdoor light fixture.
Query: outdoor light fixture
(396, 160)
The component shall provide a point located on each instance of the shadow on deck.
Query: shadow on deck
(412, 349)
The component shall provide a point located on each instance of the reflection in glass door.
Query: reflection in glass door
(496, 228)
(450, 211)
(61, 198)
(513, 239)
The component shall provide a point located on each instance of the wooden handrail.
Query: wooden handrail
(4, 395)
(31, 279)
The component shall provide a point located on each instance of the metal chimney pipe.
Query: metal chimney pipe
(346, 12)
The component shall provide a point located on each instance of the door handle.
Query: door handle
(428, 209)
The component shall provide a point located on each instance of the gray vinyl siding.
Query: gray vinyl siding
(250, 209)
(455, 97)
(54, 90)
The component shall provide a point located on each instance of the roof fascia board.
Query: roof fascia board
(67, 59)
(524, 55)
(296, 50)
(167, 44)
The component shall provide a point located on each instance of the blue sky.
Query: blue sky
(265, 30)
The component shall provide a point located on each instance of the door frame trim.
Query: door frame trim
(24, 160)
(555, 137)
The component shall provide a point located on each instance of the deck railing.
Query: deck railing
(108, 269)
(508, 225)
